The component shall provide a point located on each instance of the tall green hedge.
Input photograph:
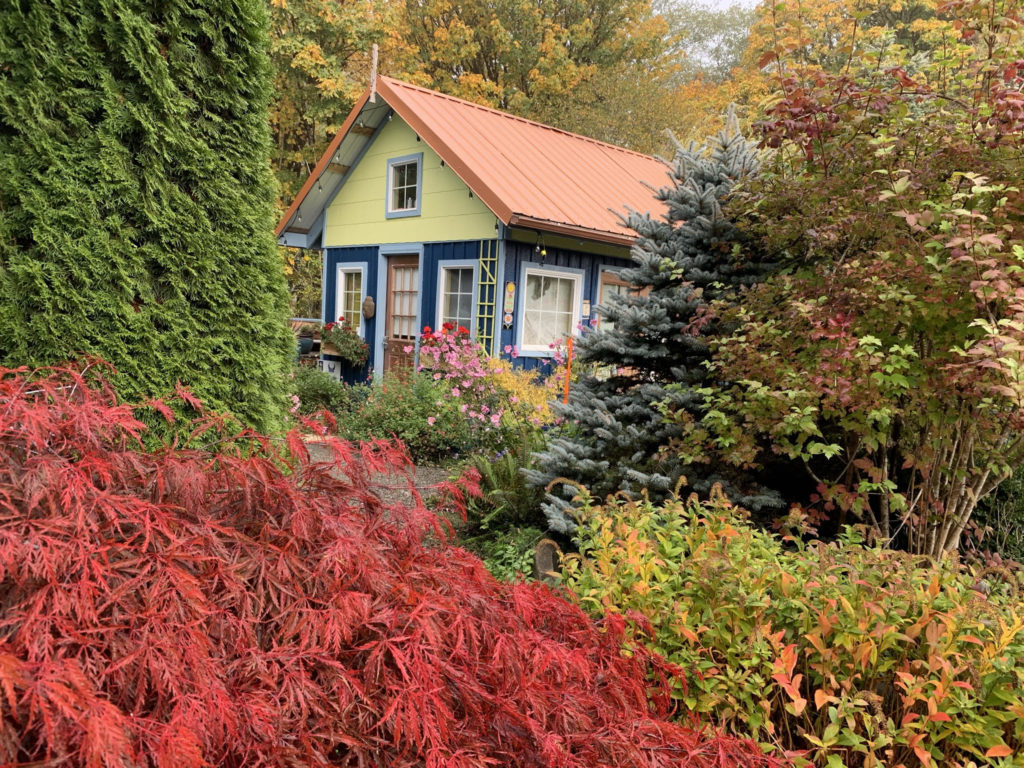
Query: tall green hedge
(136, 199)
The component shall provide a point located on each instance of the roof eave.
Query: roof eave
(571, 230)
(321, 166)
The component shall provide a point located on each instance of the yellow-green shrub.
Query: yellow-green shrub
(840, 654)
(526, 393)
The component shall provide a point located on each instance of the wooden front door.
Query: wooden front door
(401, 310)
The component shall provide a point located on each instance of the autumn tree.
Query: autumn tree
(591, 66)
(136, 200)
(735, 56)
(717, 71)
(888, 357)
(320, 51)
(835, 34)
(710, 41)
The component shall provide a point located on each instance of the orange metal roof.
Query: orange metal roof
(529, 174)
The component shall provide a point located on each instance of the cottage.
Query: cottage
(429, 209)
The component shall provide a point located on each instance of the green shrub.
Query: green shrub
(317, 391)
(507, 553)
(505, 522)
(843, 654)
(506, 500)
(414, 409)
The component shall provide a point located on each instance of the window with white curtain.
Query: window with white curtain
(551, 308)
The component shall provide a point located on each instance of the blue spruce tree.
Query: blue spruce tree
(654, 344)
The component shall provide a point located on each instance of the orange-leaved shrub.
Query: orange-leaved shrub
(245, 606)
(838, 654)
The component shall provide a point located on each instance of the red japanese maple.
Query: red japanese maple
(250, 607)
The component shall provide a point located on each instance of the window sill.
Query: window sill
(537, 352)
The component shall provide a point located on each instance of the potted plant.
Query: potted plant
(342, 340)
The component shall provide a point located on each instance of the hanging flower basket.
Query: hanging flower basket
(342, 340)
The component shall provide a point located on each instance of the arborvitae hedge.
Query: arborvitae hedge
(136, 200)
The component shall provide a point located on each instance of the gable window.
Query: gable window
(350, 296)
(405, 183)
(403, 186)
(551, 308)
(456, 305)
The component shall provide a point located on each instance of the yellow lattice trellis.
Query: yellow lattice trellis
(486, 304)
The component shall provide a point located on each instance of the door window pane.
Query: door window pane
(404, 296)
(609, 289)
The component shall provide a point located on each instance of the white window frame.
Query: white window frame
(456, 264)
(339, 294)
(417, 160)
(567, 273)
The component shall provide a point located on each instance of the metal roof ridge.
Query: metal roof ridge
(510, 116)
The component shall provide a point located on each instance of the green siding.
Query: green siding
(448, 212)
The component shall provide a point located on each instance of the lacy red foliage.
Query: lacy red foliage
(252, 608)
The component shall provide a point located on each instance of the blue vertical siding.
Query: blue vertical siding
(517, 254)
(366, 255)
(433, 255)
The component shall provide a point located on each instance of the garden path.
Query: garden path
(392, 488)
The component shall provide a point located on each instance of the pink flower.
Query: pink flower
(431, 420)
(407, 350)
(455, 392)
(463, 407)
(495, 418)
